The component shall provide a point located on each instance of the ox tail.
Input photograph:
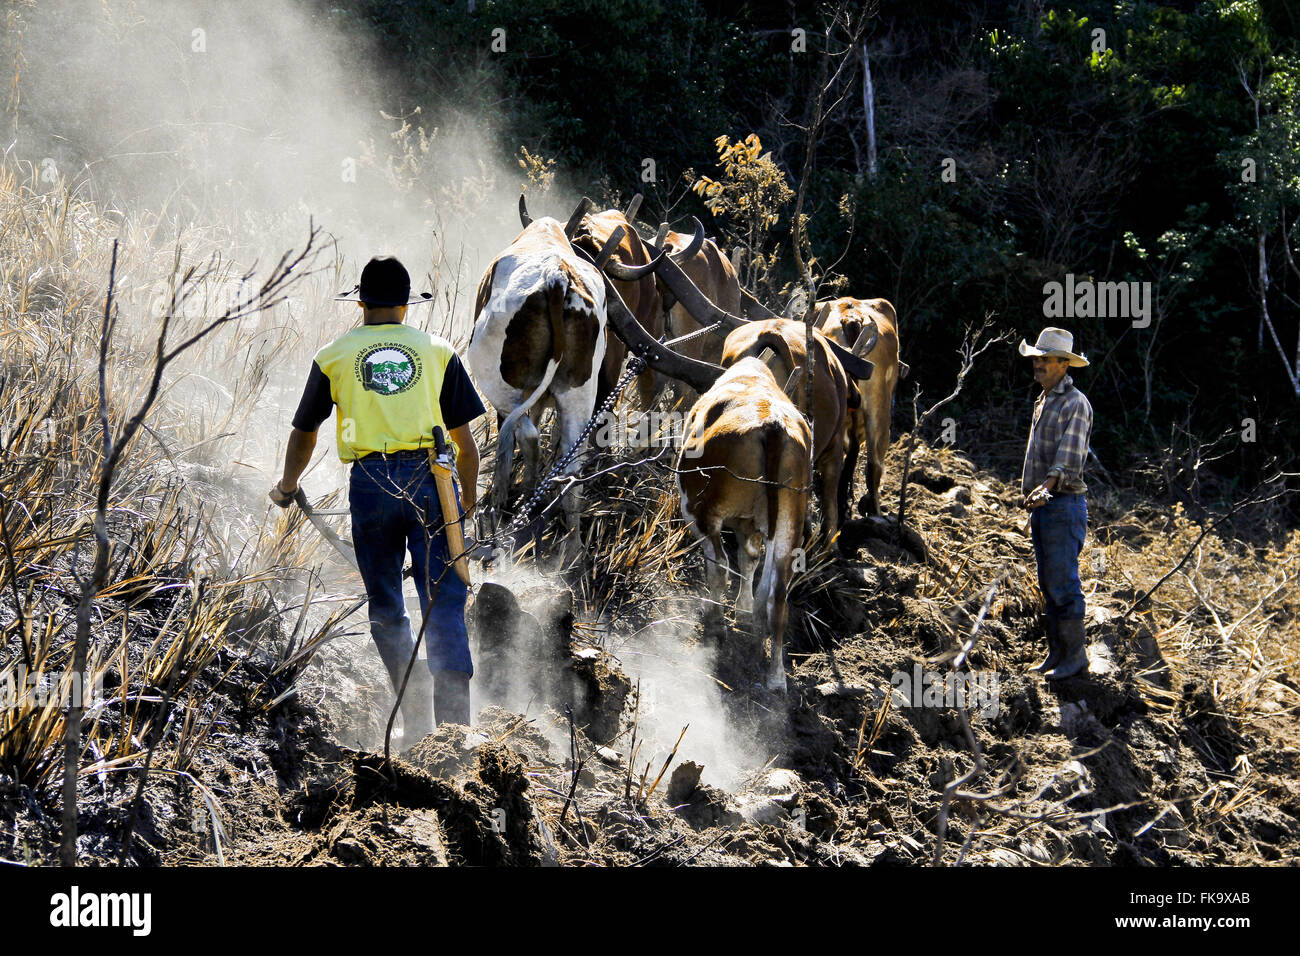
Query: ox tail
(772, 441)
(555, 292)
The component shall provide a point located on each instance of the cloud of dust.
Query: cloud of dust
(235, 123)
(675, 667)
(676, 670)
(256, 116)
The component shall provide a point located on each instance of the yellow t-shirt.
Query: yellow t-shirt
(392, 384)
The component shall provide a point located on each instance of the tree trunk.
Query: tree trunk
(869, 106)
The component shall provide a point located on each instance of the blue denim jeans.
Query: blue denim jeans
(1058, 529)
(395, 508)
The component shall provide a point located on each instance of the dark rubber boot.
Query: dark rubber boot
(451, 697)
(417, 706)
(1054, 649)
(1075, 643)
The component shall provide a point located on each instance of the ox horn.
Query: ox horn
(524, 218)
(689, 295)
(821, 315)
(792, 384)
(855, 365)
(626, 273)
(867, 339)
(633, 208)
(692, 247)
(698, 375)
(584, 207)
(855, 361)
(618, 270)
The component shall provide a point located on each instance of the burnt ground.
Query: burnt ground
(1179, 747)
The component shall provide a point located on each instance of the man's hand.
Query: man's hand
(280, 497)
(1040, 495)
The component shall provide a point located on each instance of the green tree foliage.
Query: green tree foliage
(1017, 143)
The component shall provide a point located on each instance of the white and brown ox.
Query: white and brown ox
(538, 343)
(846, 320)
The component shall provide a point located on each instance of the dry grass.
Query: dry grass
(184, 589)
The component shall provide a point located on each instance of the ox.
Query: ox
(538, 342)
(833, 397)
(744, 468)
(846, 320)
(637, 287)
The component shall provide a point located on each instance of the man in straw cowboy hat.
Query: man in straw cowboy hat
(394, 385)
(1052, 482)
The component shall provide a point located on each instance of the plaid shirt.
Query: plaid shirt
(1058, 440)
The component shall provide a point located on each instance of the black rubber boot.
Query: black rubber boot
(1054, 649)
(451, 697)
(1075, 642)
(417, 706)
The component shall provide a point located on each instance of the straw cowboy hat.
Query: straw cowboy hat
(384, 282)
(1054, 342)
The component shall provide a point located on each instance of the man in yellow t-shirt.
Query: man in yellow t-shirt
(392, 385)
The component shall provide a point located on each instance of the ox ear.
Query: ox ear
(792, 383)
(903, 369)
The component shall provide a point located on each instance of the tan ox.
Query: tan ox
(631, 271)
(744, 468)
(640, 295)
(833, 397)
(844, 320)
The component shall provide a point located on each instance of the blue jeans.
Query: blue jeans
(395, 507)
(1058, 529)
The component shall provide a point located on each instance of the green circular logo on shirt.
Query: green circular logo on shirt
(388, 368)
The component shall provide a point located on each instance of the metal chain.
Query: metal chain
(694, 335)
(636, 364)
